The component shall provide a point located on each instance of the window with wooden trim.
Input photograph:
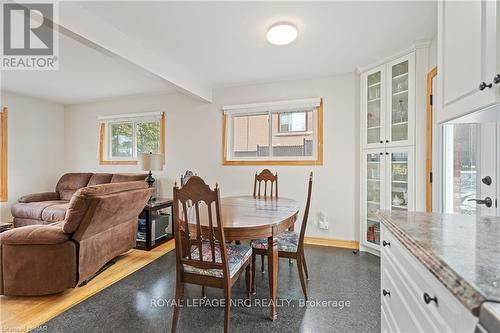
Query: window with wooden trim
(123, 138)
(3, 154)
(276, 133)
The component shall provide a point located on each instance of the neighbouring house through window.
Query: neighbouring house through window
(285, 132)
(293, 121)
(123, 138)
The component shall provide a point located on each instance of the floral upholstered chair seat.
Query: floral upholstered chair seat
(237, 255)
(288, 241)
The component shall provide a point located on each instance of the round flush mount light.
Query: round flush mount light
(281, 34)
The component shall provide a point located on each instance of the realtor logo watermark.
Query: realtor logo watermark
(30, 39)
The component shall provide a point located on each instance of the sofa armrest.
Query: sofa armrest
(33, 235)
(43, 196)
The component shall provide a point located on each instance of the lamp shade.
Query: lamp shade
(151, 162)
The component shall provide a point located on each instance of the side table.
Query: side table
(152, 224)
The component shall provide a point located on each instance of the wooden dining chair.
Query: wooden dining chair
(202, 255)
(265, 176)
(290, 245)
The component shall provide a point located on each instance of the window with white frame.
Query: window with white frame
(284, 132)
(124, 137)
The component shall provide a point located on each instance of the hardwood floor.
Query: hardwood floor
(21, 314)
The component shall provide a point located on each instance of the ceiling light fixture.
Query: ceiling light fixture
(281, 34)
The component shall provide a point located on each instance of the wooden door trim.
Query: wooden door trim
(3, 155)
(428, 154)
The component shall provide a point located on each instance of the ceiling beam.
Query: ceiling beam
(87, 28)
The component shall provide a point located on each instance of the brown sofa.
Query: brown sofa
(50, 207)
(100, 224)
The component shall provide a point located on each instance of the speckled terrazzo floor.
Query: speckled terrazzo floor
(335, 275)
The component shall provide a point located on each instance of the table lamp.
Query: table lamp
(151, 162)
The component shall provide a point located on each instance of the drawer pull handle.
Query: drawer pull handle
(428, 299)
(384, 243)
(385, 292)
(483, 86)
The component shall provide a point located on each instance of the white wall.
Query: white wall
(433, 53)
(193, 141)
(36, 147)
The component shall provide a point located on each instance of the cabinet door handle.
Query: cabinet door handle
(386, 292)
(384, 243)
(381, 153)
(381, 141)
(428, 299)
(496, 79)
(386, 141)
(483, 85)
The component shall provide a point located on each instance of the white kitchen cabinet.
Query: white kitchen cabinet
(388, 130)
(412, 299)
(468, 57)
(388, 104)
(387, 184)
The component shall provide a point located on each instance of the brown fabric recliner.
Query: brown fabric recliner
(100, 224)
(50, 207)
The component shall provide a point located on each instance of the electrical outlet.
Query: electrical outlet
(322, 221)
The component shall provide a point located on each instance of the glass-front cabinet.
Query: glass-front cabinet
(399, 184)
(373, 196)
(389, 104)
(388, 184)
(375, 117)
(388, 144)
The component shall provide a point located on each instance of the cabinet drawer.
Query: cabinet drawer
(400, 316)
(427, 323)
(414, 280)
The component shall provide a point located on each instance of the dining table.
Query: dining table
(247, 217)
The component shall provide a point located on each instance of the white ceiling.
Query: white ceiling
(225, 43)
(85, 74)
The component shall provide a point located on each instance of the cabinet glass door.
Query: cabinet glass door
(400, 179)
(374, 110)
(374, 195)
(400, 120)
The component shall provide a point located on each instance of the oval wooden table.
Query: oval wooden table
(247, 218)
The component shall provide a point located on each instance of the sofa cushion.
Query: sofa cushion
(127, 177)
(55, 213)
(100, 178)
(33, 210)
(21, 222)
(70, 182)
(77, 208)
(80, 202)
(34, 234)
(43, 196)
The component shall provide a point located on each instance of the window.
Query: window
(3, 155)
(461, 167)
(285, 132)
(124, 138)
(292, 122)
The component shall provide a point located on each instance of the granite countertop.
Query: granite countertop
(462, 251)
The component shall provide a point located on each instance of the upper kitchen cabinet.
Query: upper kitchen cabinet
(388, 104)
(468, 57)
